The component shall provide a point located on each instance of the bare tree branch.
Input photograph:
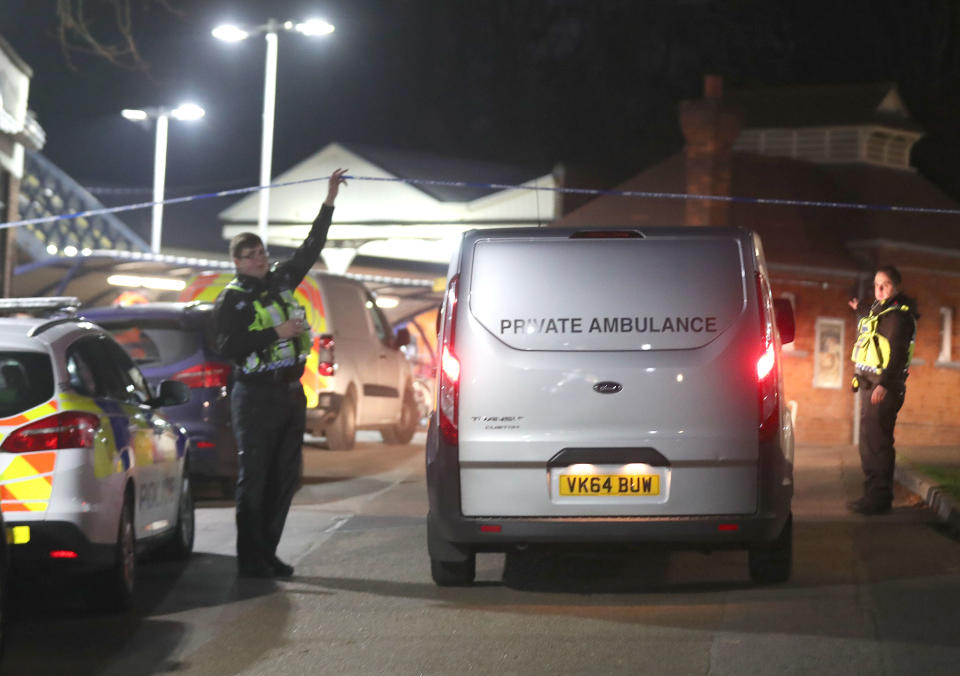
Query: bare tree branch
(104, 29)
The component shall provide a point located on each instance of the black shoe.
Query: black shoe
(867, 508)
(281, 569)
(856, 505)
(261, 571)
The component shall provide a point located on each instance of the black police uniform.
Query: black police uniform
(882, 356)
(267, 400)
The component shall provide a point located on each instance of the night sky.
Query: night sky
(592, 84)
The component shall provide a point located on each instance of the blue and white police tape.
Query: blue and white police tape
(642, 194)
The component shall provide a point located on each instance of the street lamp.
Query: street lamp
(271, 29)
(186, 112)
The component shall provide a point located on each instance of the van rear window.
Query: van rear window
(607, 294)
(26, 380)
(156, 342)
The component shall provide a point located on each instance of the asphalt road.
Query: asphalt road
(868, 596)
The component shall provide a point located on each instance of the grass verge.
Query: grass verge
(946, 478)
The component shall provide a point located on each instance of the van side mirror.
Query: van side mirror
(783, 312)
(402, 338)
(171, 393)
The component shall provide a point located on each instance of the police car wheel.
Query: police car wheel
(181, 543)
(454, 573)
(771, 562)
(113, 588)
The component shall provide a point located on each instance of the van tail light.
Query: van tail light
(768, 400)
(72, 429)
(448, 398)
(325, 363)
(207, 374)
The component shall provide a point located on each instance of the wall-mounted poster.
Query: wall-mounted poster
(828, 353)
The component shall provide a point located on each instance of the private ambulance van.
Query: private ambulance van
(610, 387)
(356, 376)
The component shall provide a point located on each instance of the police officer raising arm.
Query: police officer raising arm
(881, 356)
(260, 327)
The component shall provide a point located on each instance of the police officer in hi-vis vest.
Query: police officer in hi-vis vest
(881, 354)
(261, 328)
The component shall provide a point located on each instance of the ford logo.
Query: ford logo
(607, 387)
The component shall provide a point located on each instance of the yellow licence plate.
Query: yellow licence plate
(609, 484)
(18, 535)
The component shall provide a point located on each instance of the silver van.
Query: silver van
(610, 387)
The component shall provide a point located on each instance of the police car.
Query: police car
(90, 472)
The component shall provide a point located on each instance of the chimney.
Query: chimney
(710, 126)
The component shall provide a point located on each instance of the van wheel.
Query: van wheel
(181, 543)
(454, 573)
(771, 562)
(342, 433)
(112, 589)
(402, 432)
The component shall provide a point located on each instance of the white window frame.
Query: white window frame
(945, 358)
(829, 378)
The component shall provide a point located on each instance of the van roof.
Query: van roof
(651, 231)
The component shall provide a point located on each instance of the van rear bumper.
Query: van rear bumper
(452, 536)
(327, 408)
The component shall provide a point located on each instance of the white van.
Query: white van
(356, 375)
(610, 387)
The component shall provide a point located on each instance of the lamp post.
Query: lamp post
(185, 112)
(271, 30)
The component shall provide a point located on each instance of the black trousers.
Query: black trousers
(268, 421)
(877, 456)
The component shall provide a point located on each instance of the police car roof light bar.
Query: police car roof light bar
(41, 303)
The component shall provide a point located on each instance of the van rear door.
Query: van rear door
(627, 361)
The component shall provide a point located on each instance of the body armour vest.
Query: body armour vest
(281, 353)
(871, 352)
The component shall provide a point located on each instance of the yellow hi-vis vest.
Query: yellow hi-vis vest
(282, 353)
(871, 352)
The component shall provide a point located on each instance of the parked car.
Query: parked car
(90, 471)
(356, 376)
(174, 341)
(610, 387)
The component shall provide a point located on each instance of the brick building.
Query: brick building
(839, 144)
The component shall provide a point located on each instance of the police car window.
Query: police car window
(134, 386)
(110, 381)
(26, 380)
(82, 374)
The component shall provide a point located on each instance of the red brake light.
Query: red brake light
(207, 374)
(72, 429)
(765, 363)
(767, 386)
(449, 391)
(324, 346)
(63, 554)
(450, 365)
